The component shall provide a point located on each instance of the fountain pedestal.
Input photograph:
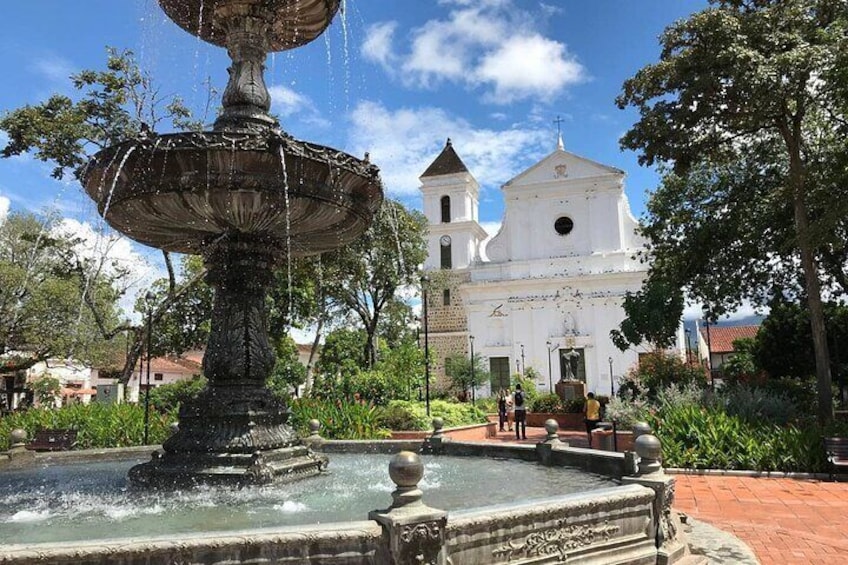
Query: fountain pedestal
(235, 431)
(243, 196)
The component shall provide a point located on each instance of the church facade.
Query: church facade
(547, 289)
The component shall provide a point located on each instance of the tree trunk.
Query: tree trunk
(310, 364)
(812, 284)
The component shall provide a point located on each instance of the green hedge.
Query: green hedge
(407, 415)
(97, 425)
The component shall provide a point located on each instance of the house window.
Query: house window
(563, 225)
(499, 373)
(445, 243)
(158, 376)
(446, 297)
(446, 211)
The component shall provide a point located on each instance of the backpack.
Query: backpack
(519, 398)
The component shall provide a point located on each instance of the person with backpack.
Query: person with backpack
(520, 413)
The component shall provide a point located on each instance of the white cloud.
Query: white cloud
(378, 42)
(491, 45)
(694, 311)
(524, 67)
(404, 142)
(286, 102)
(112, 253)
(4, 208)
(54, 68)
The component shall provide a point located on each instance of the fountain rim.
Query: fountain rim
(236, 142)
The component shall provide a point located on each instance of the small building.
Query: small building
(163, 370)
(74, 378)
(716, 342)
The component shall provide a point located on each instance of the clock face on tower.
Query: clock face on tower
(445, 240)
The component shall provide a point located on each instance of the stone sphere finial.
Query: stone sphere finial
(552, 427)
(406, 469)
(17, 437)
(314, 427)
(438, 424)
(649, 450)
(641, 428)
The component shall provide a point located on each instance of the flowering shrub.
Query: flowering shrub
(339, 419)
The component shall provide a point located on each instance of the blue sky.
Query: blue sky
(394, 78)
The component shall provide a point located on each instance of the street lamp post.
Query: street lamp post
(709, 350)
(424, 281)
(149, 298)
(551, 348)
(473, 396)
(523, 366)
(612, 383)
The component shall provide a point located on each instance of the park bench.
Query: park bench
(837, 453)
(53, 440)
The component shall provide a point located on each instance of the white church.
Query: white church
(546, 290)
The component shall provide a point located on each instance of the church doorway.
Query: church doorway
(499, 372)
(572, 364)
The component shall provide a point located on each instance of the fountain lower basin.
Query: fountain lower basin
(504, 503)
(90, 501)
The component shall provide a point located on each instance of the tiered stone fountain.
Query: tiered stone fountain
(245, 196)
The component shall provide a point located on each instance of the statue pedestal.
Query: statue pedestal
(570, 390)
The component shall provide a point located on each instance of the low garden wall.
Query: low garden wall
(566, 421)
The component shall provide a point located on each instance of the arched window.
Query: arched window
(446, 297)
(445, 244)
(446, 211)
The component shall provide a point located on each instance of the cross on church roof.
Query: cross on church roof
(560, 144)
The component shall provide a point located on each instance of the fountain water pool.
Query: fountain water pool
(86, 501)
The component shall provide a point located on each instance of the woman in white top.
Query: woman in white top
(510, 409)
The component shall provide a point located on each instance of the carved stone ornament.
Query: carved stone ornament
(497, 312)
(667, 527)
(556, 541)
(560, 171)
(421, 543)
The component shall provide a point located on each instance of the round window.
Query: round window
(563, 225)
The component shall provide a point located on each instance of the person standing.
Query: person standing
(501, 409)
(520, 413)
(592, 415)
(510, 409)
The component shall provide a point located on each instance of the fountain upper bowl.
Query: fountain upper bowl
(293, 22)
(179, 192)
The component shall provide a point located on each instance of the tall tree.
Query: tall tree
(42, 310)
(113, 105)
(750, 78)
(366, 276)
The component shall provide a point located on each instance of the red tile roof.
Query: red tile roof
(722, 337)
(171, 365)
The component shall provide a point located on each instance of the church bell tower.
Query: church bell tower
(451, 200)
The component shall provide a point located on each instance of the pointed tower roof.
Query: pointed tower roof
(447, 163)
